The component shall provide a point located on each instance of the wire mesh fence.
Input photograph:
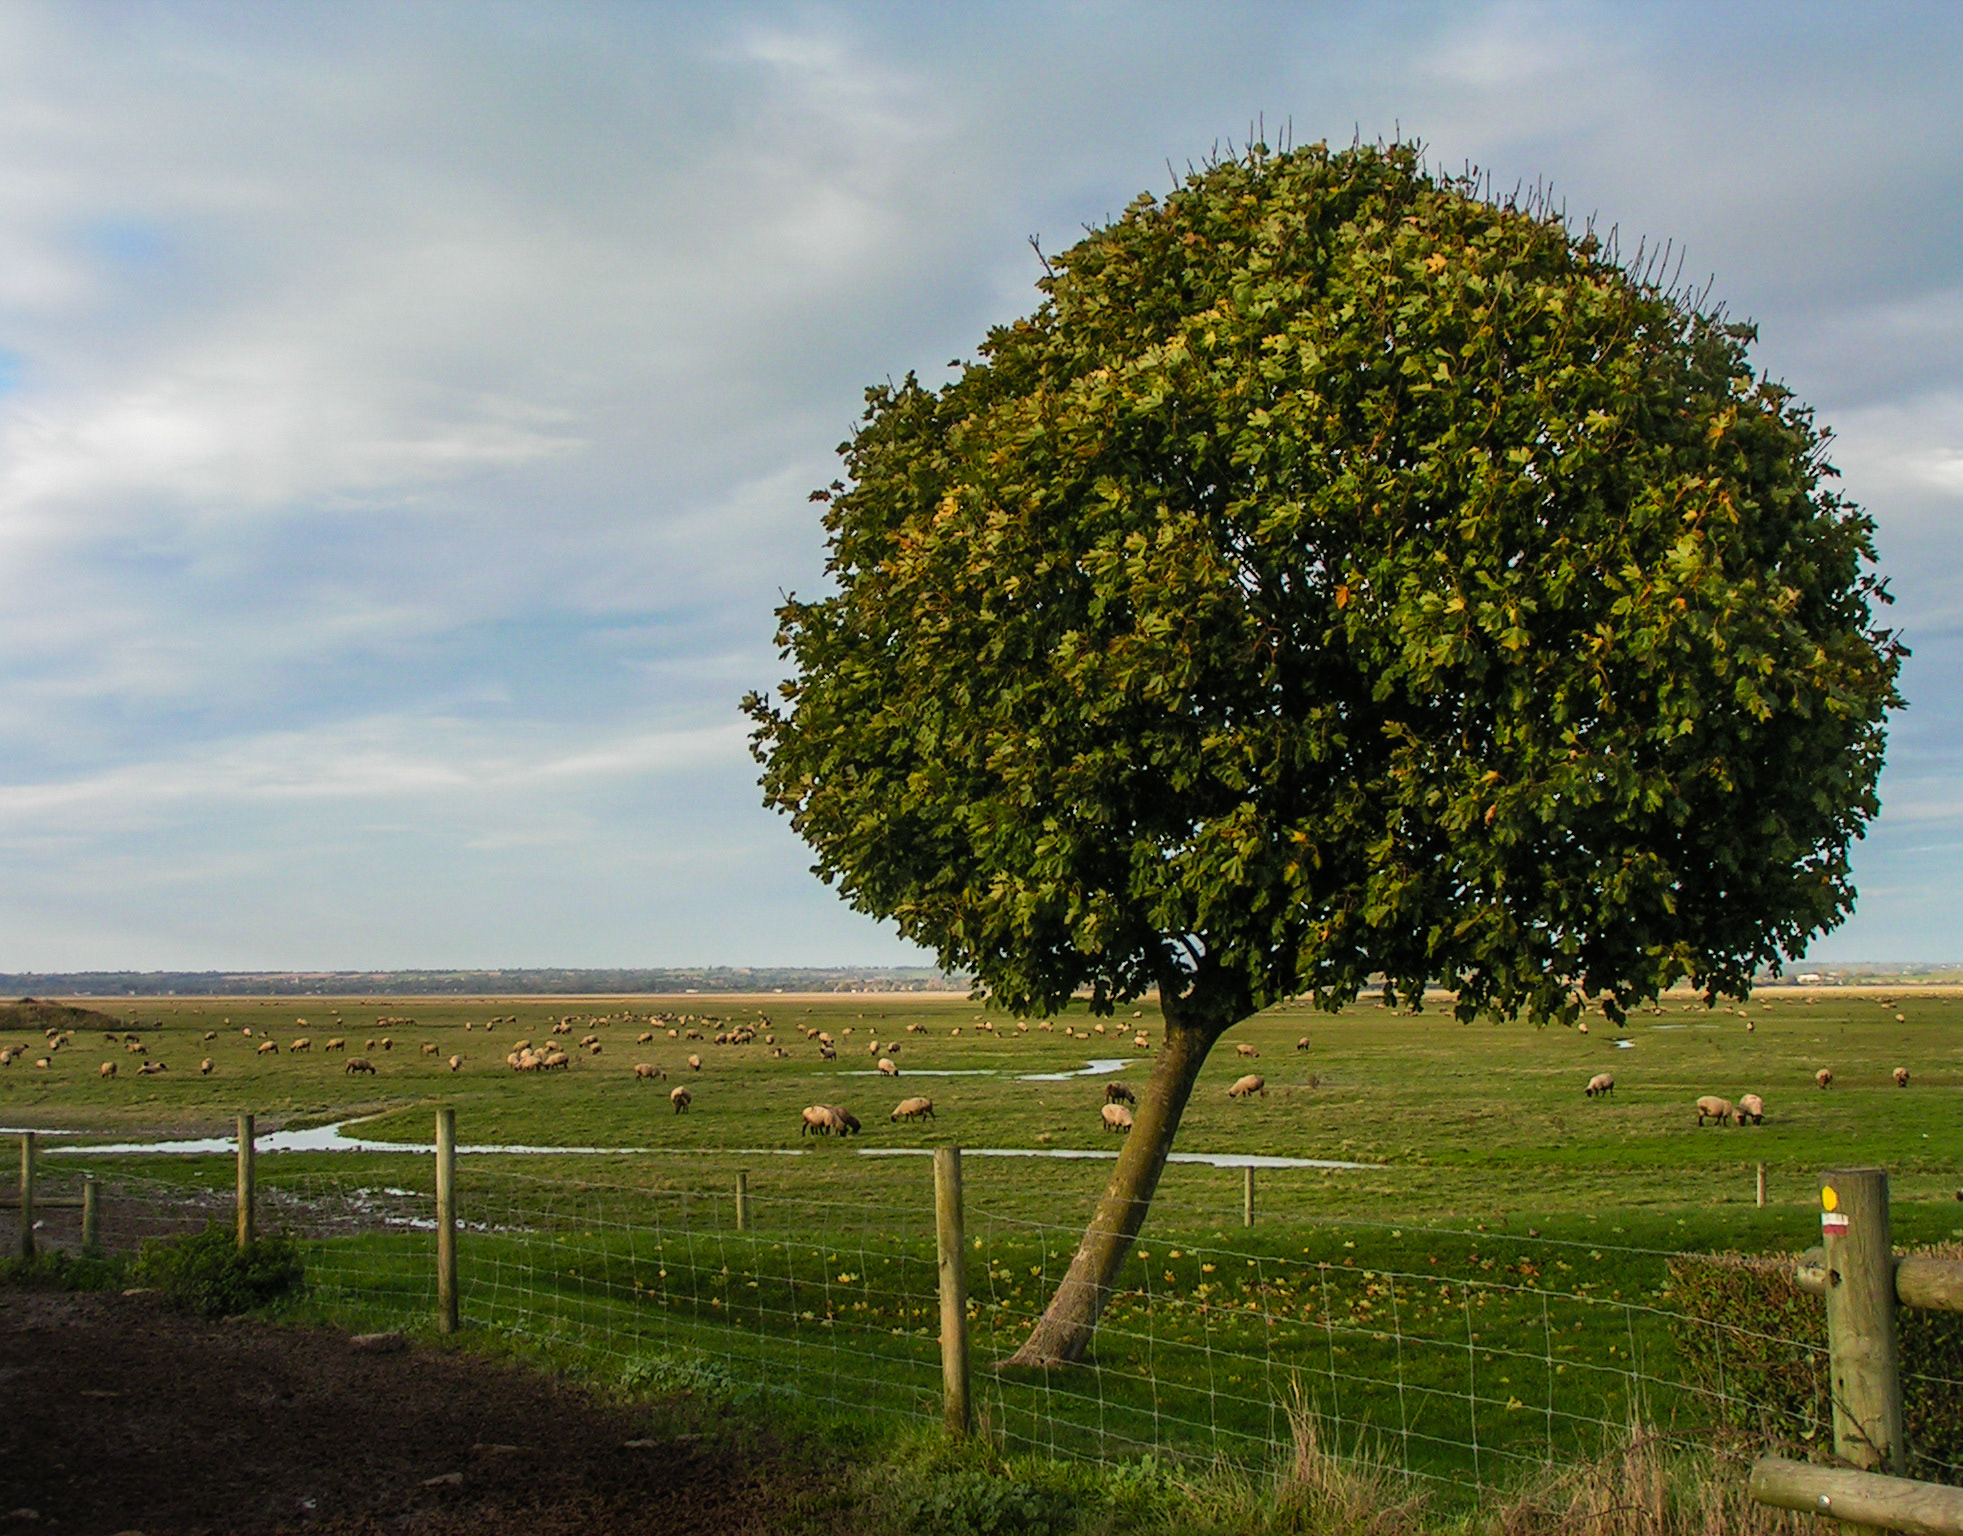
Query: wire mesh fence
(1465, 1359)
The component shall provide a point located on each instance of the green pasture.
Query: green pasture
(1467, 1122)
(1488, 1292)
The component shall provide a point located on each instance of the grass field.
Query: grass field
(1487, 1291)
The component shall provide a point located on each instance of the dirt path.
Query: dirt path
(117, 1415)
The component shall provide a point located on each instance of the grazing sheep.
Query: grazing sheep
(645, 1037)
(646, 1072)
(589, 1039)
(267, 1047)
(848, 1123)
(1582, 1027)
(694, 1063)
(301, 1044)
(108, 1069)
(387, 1044)
(913, 1109)
(1751, 1107)
(1116, 1117)
(1247, 1086)
(41, 1062)
(887, 1067)
(429, 1050)
(830, 1053)
(819, 1120)
(150, 1068)
(823, 1038)
(555, 1061)
(1302, 1044)
(1824, 1077)
(1600, 1083)
(370, 1045)
(1901, 1077)
(456, 1063)
(204, 1067)
(359, 1064)
(562, 1028)
(136, 1049)
(1244, 1049)
(1118, 1093)
(336, 1044)
(1715, 1108)
(209, 1034)
(681, 1098)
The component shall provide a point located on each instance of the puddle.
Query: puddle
(1625, 1045)
(1210, 1159)
(925, 1072)
(331, 1138)
(1102, 1067)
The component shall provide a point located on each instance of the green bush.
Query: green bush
(979, 1503)
(54, 1270)
(1758, 1343)
(211, 1274)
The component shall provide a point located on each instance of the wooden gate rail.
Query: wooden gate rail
(1863, 1281)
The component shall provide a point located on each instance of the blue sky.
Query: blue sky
(407, 413)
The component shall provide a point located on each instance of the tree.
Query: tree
(1342, 574)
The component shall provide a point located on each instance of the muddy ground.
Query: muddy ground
(119, 1415)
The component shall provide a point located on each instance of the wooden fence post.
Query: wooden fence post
(1247, 1196)
(446, 1221)
(27, 1194)
(1761, 1186)
(954, 1289)
(1862, 1360)
(246, 1175)
(742, 1202)
(91, 1216)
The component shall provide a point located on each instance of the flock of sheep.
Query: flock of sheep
(1750, 1108)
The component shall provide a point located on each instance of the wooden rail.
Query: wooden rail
(1859, 1498)
(1934, 1285)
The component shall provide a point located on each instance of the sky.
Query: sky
(407, 413)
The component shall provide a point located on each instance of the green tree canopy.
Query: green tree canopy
(1341, 573)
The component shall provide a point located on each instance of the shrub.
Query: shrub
(211, 1274)
(1757, 1344)
(980, 1503)
(54, 1270)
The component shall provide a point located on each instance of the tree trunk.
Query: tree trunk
(1064, 1331)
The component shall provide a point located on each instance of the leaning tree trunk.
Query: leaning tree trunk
(1064, 1331)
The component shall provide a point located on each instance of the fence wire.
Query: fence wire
(1464, 1359)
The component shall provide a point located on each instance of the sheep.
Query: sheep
(359, 1064)
(1824, 1077)
(108, 1069)
(428, 1049)
(694, 1063)
(824, 1038)
(521, 1045)
(301, 1044)
(1751, 1107)
(204, 1067)
(456, 1063)
(1116, 1117)
(7, 1054)
(913, 1109)
(589, 1039)
(137, 1049)
(267, 1047)
(151, 1068)
(1715, 1108)
(830, 1053)
(555, 1061)
(1244, 1049)
(387, 1044)
(1118, 1093)
(41, 1062)
(1302, 1044)
(848, 1123)
(892, 1047)
(1248, 1086)
(680, 1098)
(562, 1028)
(647, 1072)
(593, 1049)
(887, 1067)
(1141, 1043)
(1901, 1077)
(336, 1044)
(645, 1037)
(209, 1035)
(818, 1120)
(370, 1045)
(1600, 1083)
